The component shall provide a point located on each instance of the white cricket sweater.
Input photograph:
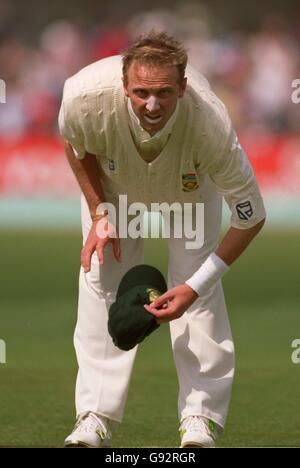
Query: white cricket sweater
(201, 156)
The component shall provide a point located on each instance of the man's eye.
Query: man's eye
(141, 93)
(164, 92)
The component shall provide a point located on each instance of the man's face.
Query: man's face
(153, 92)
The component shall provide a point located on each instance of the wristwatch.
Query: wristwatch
(99, 215)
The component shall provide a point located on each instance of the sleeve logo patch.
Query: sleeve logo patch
(244, 210)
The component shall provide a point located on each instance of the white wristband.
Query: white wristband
(208, 274)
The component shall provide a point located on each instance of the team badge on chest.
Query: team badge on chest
(189, 182)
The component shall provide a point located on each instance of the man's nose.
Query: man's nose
(152, 104)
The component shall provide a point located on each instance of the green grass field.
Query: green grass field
(38, 313)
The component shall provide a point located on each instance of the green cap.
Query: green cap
(129, 322)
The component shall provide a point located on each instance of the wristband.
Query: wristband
(208, 274)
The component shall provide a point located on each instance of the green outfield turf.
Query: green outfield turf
(38, 308)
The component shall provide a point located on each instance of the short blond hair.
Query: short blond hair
(156, 48)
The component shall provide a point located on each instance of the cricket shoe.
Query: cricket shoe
(90, 431)
(197, 431)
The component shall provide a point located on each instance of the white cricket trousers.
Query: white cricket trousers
(201, 339)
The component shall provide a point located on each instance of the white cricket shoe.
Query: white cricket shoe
(90, 431)
(198, 431)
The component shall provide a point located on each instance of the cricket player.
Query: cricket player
(148, 126)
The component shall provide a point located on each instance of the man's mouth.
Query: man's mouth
(153, 120)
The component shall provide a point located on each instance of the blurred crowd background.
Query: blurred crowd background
(250, 68)
(249, 53)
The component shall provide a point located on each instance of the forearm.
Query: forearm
(88, 176)
(236, 241)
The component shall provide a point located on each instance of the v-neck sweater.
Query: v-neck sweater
(201, 157)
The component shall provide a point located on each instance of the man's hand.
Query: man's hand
(96, 243)
(174, 302)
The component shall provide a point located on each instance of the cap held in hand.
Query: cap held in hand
(129, 322)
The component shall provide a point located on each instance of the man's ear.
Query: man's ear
(183, 86)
